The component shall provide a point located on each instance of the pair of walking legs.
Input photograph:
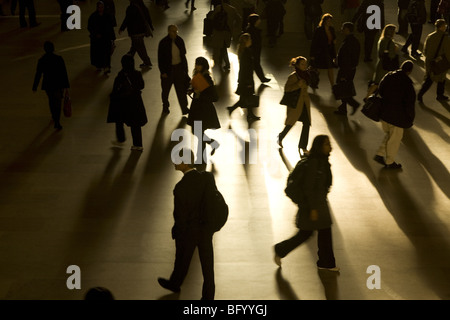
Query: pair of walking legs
(324, 243)
(138, 45)
(136, 133)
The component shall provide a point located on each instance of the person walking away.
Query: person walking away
(313, 211)
(55, 81)
(173, 67)
(397, 112)
(347, 61)
(417, 16)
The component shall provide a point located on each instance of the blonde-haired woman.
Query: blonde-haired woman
(323, 49)
(298, 79)
(387, 45)
(246, 84)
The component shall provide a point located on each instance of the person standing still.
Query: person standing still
(173, 67)
(55, 81)
(313, 211)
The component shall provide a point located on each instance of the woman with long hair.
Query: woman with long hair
(202, 106)
(298, 80)
(385, 44)
(246, 84)
(323, 46)
(313, 211)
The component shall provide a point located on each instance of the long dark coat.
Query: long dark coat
(126, 104)
(101, 32)
(322, 50)
(317, 182)
(246, 84)
(202, 107)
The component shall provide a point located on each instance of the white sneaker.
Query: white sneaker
(137, 148)
(335, 269)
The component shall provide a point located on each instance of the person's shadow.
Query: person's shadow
(285, 290)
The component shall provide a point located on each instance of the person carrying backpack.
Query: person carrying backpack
(313, 212)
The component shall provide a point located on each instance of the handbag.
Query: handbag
(439, 64)
(67, 108)
(372, 107)
(313, 77)
(290, 99)
(343, 89)
(388, 63)
(251, 101)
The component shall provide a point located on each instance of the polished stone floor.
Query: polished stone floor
(71, 198)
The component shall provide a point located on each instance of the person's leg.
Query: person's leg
(369, 39)
(22, 7)
(136, 133)
(417, 33)
(184, 250)
(425, 87)
(440, 89)
(166, 85)
(325, 252)
(120, 132)
(395, 135)
(55, 104)
(304, 136)
(283, 134)
(225, 57)
(180, 88)
(282, 249)
(206, 254)
(139, 46)
(32, 13)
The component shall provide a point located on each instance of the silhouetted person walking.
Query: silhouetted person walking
(397, 112)
(189, 231)
(253, 29)
(55, 81)
(417, 17)
(139, 25)
(126, 105)
(173, 67)
(436, 44)
(102, 36)
(313, 212)
(313, 13)
(347, 60)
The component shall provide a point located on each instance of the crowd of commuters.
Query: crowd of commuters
(390, 80)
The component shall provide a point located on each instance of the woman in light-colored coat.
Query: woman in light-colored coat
(298, 79)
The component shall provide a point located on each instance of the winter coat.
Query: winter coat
(246, 84)
(322, 50)
(293, 115)
(165, 54)
(202, 107)
(398, 99)
(126, 104)
(348, 54)
(317, 182)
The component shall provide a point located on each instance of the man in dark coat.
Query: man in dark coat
(361, 18)
(397, 113)
(189, 230)
(139, 25)
(173, 66)
(55, 80)
(417, 16)
(347, 61)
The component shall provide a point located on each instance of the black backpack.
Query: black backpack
(215, 208)
(294, 186)
(220, 20)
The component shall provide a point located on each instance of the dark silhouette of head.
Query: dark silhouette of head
(99, 293)
(201, 61)
(127, 62)
(317, 146)
(49, 47)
